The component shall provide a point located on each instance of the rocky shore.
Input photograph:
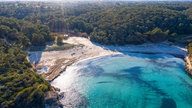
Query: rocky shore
(59, 66)
(188, 66)
(52, 98)
(51, 64)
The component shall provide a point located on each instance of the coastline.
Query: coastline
(92, 68)
(51, 63)
(188, 67)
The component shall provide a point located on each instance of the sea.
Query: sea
(129, 80)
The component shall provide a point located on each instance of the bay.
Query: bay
(127, 81)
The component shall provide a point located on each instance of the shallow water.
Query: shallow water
(127, 81)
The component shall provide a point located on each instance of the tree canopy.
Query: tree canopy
(26, 24)
(20, 86)
(108, 22)
(23, 33)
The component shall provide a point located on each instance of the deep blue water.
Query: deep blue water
(127, 81)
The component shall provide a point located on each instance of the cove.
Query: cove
(126, 81)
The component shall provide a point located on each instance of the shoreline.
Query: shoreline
(188, 66)
(50, 64)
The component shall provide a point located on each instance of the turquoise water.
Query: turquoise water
(127, 81)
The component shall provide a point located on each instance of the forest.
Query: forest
(27, 24)
(20, 86)
(23, 33)
(109, 22)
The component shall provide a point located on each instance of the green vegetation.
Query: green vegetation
(135, 23)
(28, 25)
(23, 33)
(60, 40)
(20, 86)
(108, 22)
(53, 47)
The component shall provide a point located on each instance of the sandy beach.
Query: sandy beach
(51, 63)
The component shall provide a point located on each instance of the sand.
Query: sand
(51, 63)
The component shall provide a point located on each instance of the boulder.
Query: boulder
(52, 100)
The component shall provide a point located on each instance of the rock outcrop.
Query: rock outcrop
(188, 66)
(52, 99)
